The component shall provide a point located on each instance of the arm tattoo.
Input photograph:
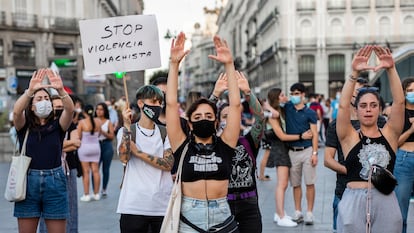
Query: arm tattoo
(165, 163)
(257, 128)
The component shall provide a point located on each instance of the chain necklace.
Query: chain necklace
(146, 135)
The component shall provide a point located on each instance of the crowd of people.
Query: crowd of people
(218, 139)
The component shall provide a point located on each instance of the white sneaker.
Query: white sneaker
(286, 222)
(85, 198)
(277, 218)
(309, 218)
(97, 197)
(297, 217)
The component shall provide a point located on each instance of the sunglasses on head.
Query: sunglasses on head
(362, 80)
(367, 89)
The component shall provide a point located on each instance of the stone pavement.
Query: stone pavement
(100, 216)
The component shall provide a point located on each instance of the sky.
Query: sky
(177, 16)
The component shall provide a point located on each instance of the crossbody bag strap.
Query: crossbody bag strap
(186, 221)
(180, 164)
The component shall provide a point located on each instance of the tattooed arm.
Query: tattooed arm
(165, 163)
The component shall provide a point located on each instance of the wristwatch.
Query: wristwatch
(315, 153)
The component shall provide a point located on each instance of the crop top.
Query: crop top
(354, 166)
(213, 164)
(407, 124)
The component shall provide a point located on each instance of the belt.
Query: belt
(104, 140)
(297, 148)
(241, 196)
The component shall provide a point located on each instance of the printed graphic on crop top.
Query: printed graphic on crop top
(241, 173)
(370, 154)
(205, 162)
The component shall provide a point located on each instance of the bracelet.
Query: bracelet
(213, 98)
(300, 137)
(26, 92)
(352, 78)
(62, 97)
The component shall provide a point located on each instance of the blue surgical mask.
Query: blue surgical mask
(282, 105)
(410, 97)
(295, 99)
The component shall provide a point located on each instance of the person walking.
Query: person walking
(46, 180)
(89, 153)
(106, 135)
(361, 208)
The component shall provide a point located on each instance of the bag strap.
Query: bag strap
(180, 164)
(186, 221)
(368, 206)
(23, 152)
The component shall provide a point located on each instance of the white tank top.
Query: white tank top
(104, 128)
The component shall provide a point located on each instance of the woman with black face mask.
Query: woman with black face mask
(207, 164)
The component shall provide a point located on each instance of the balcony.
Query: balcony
(336, 5)
(65, 24)
(360, 4)
(406, 3)
(305, 5)
(23, 20)
(384, 3)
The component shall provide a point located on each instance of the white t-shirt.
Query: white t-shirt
(146, 189)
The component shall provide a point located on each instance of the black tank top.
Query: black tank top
(210, 164)
(407, 124)
(352, 162)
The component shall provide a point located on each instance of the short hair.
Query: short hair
(193, 107)
(298, 86)
(158, 81)
(407, 82)
(149, 92)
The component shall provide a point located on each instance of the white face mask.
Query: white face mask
(43, 108)
(78, 110)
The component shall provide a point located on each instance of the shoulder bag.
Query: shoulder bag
(17, 178)
(171, 219)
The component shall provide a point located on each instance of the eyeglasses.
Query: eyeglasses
(367, 89)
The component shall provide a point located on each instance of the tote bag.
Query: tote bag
(171, 219)
(17, 178)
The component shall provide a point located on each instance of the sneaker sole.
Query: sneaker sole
(308, 223)
(299, 220)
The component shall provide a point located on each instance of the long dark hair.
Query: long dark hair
(273, 98)
(31, 119)
(89, 110)
(105, 109)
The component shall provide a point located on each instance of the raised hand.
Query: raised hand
(54, 79)
(385, 57)
(36, 80)
(177, 51)
(221, 85)
(223, 53)
(242, 82)
(360, 61)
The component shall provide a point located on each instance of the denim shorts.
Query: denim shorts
(46, 195)
(203, 213)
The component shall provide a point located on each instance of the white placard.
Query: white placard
(120, 44)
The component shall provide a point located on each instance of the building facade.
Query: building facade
(278, 43)
(36, 33)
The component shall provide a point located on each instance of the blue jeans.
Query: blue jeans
(203, 214)
(335, 203)
(403, 172)
(107, 152)
(72, 220)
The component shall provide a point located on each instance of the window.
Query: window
(408, 25)
(360, 27)
(306, 68)
(1, 53)
(384, 27)
(24, 53)
(336, 67)
(63, 49)
(306, 28)
(336, 28)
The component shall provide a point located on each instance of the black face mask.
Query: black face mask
(58, 112)
(152, 112)
(204, 128)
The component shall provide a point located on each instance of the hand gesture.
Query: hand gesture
(127, 115)
(360, 61)
(221, 85)
(385, 57)
(177, 49)
(223, 52)
(36, 81)
(307, 135)
(54, 79)
(314, 160)
(242, 82)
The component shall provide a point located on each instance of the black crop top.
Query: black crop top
(407, 124)
(354, 166)
(210, 165)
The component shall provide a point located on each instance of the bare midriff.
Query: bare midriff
(213, 189)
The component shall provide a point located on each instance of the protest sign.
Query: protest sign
(126, 43)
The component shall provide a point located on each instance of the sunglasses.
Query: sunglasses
(362, 81)
(367, 89)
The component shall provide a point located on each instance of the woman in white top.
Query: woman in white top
(105, 140)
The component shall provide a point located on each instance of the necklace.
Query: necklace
(146, 135)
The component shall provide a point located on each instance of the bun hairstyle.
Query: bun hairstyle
(88, 109)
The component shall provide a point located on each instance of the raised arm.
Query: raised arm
(174, 130)
(344, 129)
(259, 120)
(223, 54)
(395, 122)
